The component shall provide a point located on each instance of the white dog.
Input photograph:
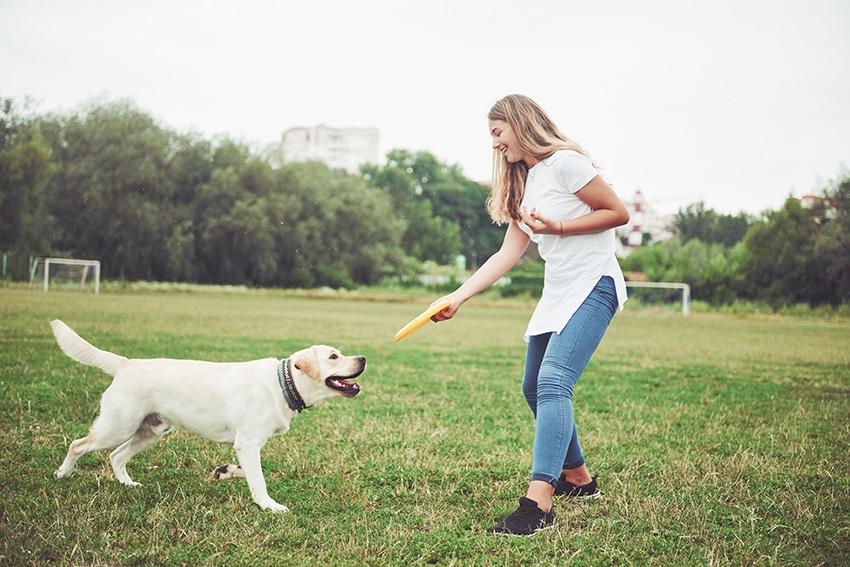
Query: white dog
(243, 403)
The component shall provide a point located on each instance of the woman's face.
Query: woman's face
(504, 141)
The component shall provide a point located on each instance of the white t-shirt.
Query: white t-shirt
(574, 263)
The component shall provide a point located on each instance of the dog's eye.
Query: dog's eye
(334, 356)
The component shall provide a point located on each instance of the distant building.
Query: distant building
(827, 209)
(645, 225)
(809, 201)
(339, 148)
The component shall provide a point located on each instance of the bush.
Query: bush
(525, 280)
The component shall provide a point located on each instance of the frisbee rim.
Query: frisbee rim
(420, 320)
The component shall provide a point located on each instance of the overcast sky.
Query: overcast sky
(736, 103)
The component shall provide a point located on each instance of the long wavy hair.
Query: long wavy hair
(536, 135)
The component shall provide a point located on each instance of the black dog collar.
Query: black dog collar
(284, 378)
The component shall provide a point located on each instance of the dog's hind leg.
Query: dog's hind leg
(78, 448)
(151, 430)
(101, 437)
(248, 452)
(117, 423)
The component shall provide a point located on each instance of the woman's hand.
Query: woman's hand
(607, 211)
(538, 224)
(449, 311)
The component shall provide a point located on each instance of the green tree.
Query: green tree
(25, 167)
(334, 229)
(105, 181)
(239, 246)
(234, 232)
(832, 243)
(697, 222)
(190, 166)
(783, 268)
(445, 212)
(111, 192)
(712, 270)
(428, 236)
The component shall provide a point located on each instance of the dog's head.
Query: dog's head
(321, 371)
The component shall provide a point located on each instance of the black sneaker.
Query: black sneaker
(570, 490)
(527, 520)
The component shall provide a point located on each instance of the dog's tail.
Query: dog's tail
(80, 350)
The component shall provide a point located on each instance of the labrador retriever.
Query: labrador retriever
(242, 403)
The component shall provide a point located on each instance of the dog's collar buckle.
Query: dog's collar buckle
(287, 386)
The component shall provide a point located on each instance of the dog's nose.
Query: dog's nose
(361, 359)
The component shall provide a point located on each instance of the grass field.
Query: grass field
(718, 439)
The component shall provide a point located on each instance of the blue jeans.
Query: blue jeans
(553, 364)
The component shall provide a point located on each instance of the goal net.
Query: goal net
(664, 292)
(66, 273)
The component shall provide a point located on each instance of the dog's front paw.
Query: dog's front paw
(228, 471)
(273, 506)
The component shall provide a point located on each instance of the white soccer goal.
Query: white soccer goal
(66, 273)
(686, 292)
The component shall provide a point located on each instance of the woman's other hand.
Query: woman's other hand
(538, 224)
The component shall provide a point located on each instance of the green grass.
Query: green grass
(719, 439)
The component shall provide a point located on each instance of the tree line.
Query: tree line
(106, 181)
(796, 255)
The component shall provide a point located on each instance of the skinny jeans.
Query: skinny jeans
(553, 364)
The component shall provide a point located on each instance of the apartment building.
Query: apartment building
(339, 148)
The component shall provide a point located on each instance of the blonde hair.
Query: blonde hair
(536, 135)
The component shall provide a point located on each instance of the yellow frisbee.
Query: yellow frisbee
(421, 319)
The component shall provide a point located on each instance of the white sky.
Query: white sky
(737, 103)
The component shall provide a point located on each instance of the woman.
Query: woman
(547, 190)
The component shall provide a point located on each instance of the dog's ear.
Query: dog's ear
(307, 362)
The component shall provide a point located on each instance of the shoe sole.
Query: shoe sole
(509, 534)
(594, 496)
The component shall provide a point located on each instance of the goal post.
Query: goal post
(686, 292)
(65, 272)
